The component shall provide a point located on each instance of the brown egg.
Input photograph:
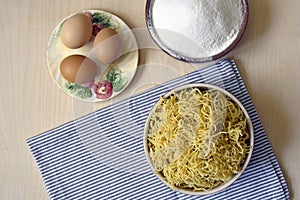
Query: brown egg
(107, 46)
(78, 69)
(76, 31)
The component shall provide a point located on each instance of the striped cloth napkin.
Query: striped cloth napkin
(101, 156)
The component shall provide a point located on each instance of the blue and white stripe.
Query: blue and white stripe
(101, 157)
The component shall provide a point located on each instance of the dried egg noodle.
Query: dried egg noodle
(197, 139)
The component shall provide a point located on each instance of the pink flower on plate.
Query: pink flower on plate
(97, 28)
(103, 89)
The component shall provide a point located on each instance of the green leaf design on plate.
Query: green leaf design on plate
(78, 90)
(118, 86)
(114, 76)
(100, 18)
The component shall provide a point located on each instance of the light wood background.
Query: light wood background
(268, 57)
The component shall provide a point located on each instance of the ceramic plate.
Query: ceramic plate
(119, 73)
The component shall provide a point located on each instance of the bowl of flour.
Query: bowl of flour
(197, 30)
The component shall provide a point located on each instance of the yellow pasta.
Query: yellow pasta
(197, 139)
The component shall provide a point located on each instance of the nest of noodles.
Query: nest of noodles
(198, 140)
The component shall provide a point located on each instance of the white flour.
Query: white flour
(197, 28)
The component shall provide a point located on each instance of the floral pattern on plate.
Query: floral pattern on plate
(112, 79)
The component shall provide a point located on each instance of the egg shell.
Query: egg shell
(107, 46)
(76, 31)
(78, 69)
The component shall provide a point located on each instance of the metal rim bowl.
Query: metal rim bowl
(152, 31)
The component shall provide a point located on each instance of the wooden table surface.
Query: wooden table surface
(268, 57)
